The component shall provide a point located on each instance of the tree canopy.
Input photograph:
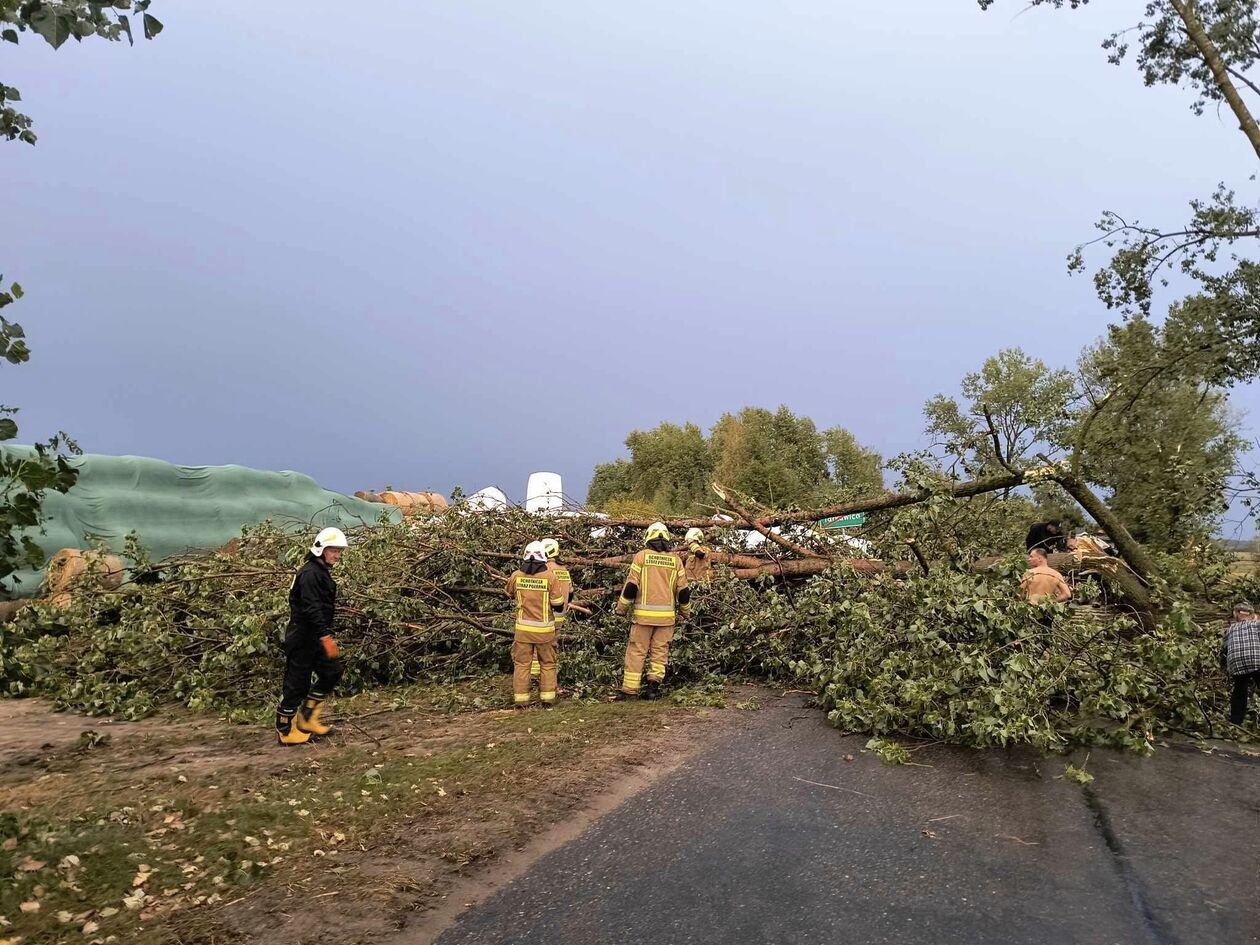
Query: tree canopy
(776, 457)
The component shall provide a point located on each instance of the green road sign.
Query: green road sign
(844, 521)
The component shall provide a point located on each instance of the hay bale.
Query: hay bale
(63, 568)
(9, 608)
(70, 564)
(416, 503)
(435, 501)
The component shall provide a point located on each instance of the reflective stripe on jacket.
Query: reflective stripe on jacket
(565, 581)
(538, 599)
(659, 577)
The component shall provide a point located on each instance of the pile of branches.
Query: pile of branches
(910, 641)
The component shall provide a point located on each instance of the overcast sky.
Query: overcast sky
(449, 243)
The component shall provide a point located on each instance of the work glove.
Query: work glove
(330, 647)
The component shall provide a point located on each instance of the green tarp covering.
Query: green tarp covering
(176, 509)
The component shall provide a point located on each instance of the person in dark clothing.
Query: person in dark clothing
(309, 647)
(1240, 656)
(1046, 535)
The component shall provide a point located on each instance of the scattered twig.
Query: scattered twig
(834, 787)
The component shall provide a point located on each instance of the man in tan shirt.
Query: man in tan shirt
(656, 593)
(1041, 581)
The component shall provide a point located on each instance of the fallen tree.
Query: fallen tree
(934, 645)
(1139, 561)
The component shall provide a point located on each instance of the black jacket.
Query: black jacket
(1040, 536)
(312, 602)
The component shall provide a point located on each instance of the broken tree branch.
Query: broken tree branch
(880, 503)
(769, 535)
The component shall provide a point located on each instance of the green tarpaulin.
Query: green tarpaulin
(176, 509)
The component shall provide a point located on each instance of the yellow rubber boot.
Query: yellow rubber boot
(307, 719)
(287, 732)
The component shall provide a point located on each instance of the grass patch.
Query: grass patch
(153, 863)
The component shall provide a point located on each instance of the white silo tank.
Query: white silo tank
(545, 493)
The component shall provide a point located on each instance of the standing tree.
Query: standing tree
(1014, 406)
(669, 471)
(1159, 438)
(775, 457)
(853, 469)
(1210, 47)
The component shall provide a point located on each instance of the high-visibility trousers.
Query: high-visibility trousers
(647, 642)
(535, 668)
(525, 652)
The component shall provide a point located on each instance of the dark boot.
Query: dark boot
(651, 690)
(622, 696)
(287, 732)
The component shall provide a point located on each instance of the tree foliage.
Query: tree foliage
(1162, 442)
(57, 21)
(1141, 420)
(1168, 52)
(1026, 402)
(772, 456)
(25, 478)
(948, 655)
(1211, 338)
(778, 458)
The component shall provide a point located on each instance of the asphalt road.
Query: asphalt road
(768, 835)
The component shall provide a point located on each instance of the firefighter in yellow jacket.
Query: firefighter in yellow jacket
(539, 599)
(561, 574)
(656, 594)
(696, 559)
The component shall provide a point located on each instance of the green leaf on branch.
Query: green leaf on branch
(56, 28)
(890, 751)
(152, 26)
(1077, 775)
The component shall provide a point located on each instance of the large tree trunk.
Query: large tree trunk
(1131, 582)
(1130, 549)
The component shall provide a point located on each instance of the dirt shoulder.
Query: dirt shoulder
(183, 829)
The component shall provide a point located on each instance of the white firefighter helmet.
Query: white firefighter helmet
(329, 538)
(694, 535)
(657, 530)
(536, 551)
(552, 547)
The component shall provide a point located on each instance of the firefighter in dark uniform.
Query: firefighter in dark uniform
(309, 647)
